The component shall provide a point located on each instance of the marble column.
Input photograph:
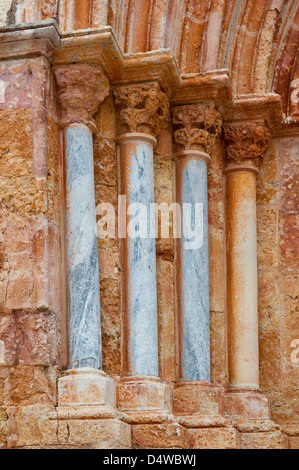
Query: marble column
(140, 292)
(246, 144)
(196, 128)
(81, 90)
(82, 250)
(142, 110)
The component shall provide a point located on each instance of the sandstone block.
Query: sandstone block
(195, 397)
(159, 436)
(36, 425)
(213, 438)
(94, 433)
(246, 405)
(142, 394)
(263, 440)
(86, 387)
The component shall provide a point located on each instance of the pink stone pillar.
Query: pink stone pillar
(246, 145)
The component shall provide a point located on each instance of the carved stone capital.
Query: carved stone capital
(81, 90)
(142, 108)
(246, 143)
(196, 126)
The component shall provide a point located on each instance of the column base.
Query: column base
(86, 387)
(198, 407)
(143, 394)
(246, 404)
(196, 398)
(87, 415)
(146, 401)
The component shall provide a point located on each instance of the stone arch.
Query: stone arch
(256, 40)
(286, 74)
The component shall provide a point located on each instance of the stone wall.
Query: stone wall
(32, 327)
(256, 54)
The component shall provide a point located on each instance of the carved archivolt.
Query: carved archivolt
(143, 108)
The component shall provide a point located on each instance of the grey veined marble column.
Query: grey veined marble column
(142, 111)
(193, 266)
(81, 90)
(196, 127)
(82, 250)
(140, 291)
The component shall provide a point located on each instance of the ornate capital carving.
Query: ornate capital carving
(197, 126)
(246, 142)
(81, 90)
(143, 108)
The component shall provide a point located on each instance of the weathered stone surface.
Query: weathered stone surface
(106, 191)
(161, 436)
(165, 143)
(82, 88)
(246, 405)
(246, 142)
(86, 387)
(26, 83)
(213, 438)
(111, 327)
(263, 440)
(164, 196)
(166, 318)
(3, 427)
(15, 143)
(95, 434)
(255, 425)
(30, 339)
(195, 398)
(294, 443)
(35, 425)
(143, 108)
(30, 385)
(195, 421)
(218, 348)
(30, 275)
(259, 47)
(143, 394)
(197, 126)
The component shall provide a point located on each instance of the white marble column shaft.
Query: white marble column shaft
(193, 266)
(82, 250)
(140, 291)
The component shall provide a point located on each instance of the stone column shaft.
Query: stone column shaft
(82, 88)
(242, 278)
(142, 110)
(193, 268)
(82, 250)
(193, 255)
(246, 144)
(140, 290)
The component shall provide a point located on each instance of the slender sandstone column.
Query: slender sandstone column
(82, 88)
(197, 127)
(246, 145)
(143, 108)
